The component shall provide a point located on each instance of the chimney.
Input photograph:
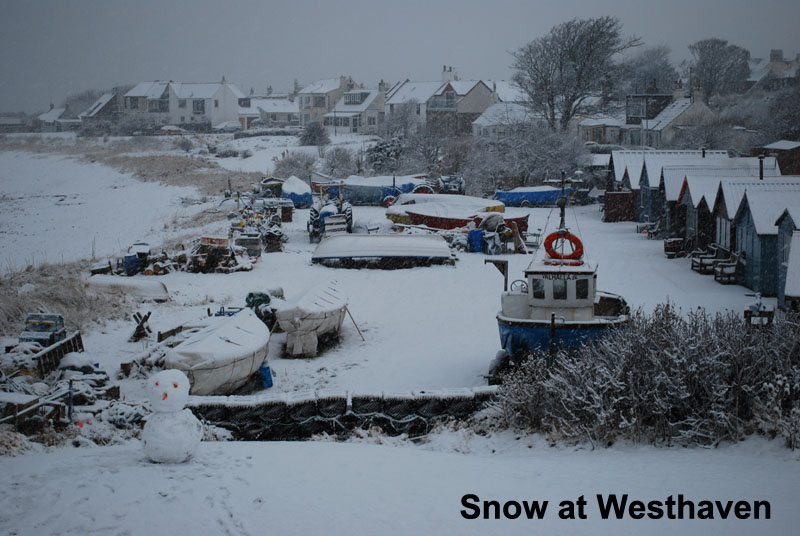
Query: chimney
(223, 79)
(761, 167)
(677, 92)
(52, 105)
(703, 149)
(698, 95)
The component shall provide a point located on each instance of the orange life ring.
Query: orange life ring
(577, 252)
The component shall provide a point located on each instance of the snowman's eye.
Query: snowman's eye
(156, 384)
(175, 385)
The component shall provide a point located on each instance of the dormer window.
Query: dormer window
(354, 98)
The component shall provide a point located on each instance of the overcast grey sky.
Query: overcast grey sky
(54, 48)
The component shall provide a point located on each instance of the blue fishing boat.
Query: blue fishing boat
(557, 304)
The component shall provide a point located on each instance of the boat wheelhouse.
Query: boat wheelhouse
(557, 304)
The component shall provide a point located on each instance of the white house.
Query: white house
(184, 103)
(213, 103)
(411, 94)
(358, 111)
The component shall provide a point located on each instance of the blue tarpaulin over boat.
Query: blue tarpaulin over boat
(533, 195)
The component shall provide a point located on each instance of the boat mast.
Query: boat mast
(562, 203)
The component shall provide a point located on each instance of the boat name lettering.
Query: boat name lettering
(559, 276)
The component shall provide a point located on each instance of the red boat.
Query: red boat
(446, 217)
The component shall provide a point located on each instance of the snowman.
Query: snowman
(172, 433)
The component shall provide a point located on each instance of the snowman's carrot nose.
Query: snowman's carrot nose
(164, 396)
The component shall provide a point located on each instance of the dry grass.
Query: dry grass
(56, 289)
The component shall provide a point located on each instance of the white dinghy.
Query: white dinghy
(220, 357)
(319, 313)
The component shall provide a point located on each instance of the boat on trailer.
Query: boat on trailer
(557, 304)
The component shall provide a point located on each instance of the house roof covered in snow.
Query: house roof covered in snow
(766, 207)
(408, 91)
(343, 108)
(793, 268)
(325, 85)
(274, 106)
(667, 115)
(634, 161)
(603, 120)
(673, 176)
(98, 105)
(698, 188)
(461, 87)
(503, 113)
(51, 115)
(793, 211)
(506, 90)
(783, 145)
(202, 91)
(732, 190)
(151, 90)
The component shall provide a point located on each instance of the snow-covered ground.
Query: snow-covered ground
(342, 489)
(426, 327)
(54, 209)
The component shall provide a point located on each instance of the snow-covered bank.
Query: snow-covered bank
(55, 209)
(334, 488)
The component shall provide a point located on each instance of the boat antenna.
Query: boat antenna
(562, 202)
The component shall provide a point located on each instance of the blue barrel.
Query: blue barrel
(266, 376)
(475, 238)
(131, 263)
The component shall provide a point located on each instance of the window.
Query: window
(559, 289)
(274, 117)
(133, 103)
(181, 103)
(198, 106)
(391, 108)
(326, 121)
(371, 121)
(306, 102)
(582, 289)
(152, 106)
(216, 103)
(319, 102)
(538, 289)
(419, 106)
(183, 119)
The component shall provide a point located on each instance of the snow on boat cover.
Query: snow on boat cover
(318, 312)
(143, 287)
(395, 250)
(220, 357)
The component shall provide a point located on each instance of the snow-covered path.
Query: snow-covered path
(335, 488)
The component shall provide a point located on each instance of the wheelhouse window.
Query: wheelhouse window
(582, 289)
(537, 286)
(559, 289)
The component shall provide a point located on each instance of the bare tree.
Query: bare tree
(298, 164)
(720, 67)
(524, 155)
(784, 114)
(560, 71)
(403, 120)
(643, 67)
(339, 162)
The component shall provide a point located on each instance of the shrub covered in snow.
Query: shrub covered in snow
(667, 379)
